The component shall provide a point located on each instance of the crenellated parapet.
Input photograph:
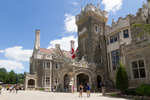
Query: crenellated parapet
(121, 23)
(91, 10)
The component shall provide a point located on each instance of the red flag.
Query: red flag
(72, 53)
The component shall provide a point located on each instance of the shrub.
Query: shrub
(121, 78)
(41, 88)
(143, 90)
(130, 92)
(113, 95)
(0, 87)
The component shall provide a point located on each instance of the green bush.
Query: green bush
(41, 88)
(0, 87)
(143, 90)
(121, 78)
(130, 92)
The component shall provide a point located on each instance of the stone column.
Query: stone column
(72, 45)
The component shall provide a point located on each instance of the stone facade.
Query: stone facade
(100, 48)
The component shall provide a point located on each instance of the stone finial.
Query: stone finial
(98, 6)
(82, 8)
(57, 45)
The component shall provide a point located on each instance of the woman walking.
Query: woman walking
(80, 90)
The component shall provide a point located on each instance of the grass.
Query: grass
(41, 89)
(113, 95)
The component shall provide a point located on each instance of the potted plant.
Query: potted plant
(93, 88)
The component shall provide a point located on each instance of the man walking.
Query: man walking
(88, 90)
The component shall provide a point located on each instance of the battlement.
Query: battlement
(91, 10)
(121, 23)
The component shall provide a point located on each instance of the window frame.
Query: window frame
(44, 81)
(55, 66)
(131, 68)
(125, 33)
(46, 64)
(112, 37)
(115, 59)
(95, 28)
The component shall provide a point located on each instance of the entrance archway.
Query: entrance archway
(66, 80)
(82, 79)
(31, 83)
(99, 81)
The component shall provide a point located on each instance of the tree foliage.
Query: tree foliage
(11, 77)
(121, 78)
(145, 28)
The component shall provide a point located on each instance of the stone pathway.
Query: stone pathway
(41, 95)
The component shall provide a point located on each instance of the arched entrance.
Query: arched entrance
(99, 81)
(66, 80)
(31, 83)
(82, 79)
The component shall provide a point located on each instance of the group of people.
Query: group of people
(14, 88)
(11, 88)
(80, 88)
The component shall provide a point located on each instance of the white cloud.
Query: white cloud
(1, 51)
(10, 65)
(112, 5)
(74, 3)
(70, 25)
(17, 53)
(64, 42)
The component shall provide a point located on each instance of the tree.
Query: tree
(17, 80)
(145, 28)
(12, 77)
(121, 78)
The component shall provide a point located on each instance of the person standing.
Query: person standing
(80, 90)
(52, 88)
(16, 89)
(10, 88)
(88, 90)
(66, 88)
(1, 89)
(73, 89)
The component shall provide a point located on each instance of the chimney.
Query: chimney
(72, 45)
(37, 39)
(98, 6)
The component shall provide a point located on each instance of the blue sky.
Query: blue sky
(55, 18)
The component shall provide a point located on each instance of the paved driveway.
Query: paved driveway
(41, 95)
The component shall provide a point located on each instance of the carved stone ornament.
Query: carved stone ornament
(71, 74)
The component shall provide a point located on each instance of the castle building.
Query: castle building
(100, 48)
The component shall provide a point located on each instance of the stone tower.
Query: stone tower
(37, 39)
(91, 24)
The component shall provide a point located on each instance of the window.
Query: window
(126, 33)
(56, 66)
(46, 65)
(138, 69)
(99, 46)
(86, 57)
(100, 30)
(55, 81)
(84, 46)
(115, 59)
(95, 28)
(100, 59)
(46, 81)
(114, 37)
